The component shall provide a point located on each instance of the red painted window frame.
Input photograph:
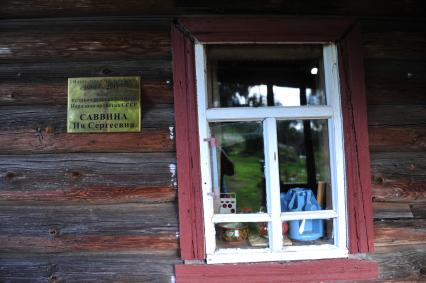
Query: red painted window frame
(346, 34)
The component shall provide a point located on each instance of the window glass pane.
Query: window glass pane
(237, 162)
(304, 158)
(308, 232)
(265, 75)
(250, 235)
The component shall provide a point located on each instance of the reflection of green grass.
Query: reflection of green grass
(293, 171)
(247, 182)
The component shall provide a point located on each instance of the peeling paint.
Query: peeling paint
(172, 133)
(172, 169)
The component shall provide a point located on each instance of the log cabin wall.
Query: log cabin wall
(102, 207)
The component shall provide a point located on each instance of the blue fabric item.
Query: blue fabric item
(302, 199)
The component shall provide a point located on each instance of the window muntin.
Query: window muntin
(334, 243)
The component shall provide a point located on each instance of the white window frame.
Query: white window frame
(269, 115)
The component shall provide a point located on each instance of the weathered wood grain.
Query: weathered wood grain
(397, 115)
(391, 210)
(39, 8)
(408, 191)
(55, 92)
(419, 210)
(388, 167)
(404, 263)
(396, 82)
(280, 7)
(81, 8)
(87, 267)
(394, 39)
(87, 220)
(397, 138)
(47, 141)
(18, 243)
(87, 195)
(78, 170)
(399, 232)
(53, 118)
(147, 69)
(107, 40)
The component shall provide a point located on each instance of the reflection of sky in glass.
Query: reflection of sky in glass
(283, 96)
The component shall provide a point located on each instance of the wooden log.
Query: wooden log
(47, 141)
(391, 210)
(78, 170)
(398, 166)
(419, 210)
(397, 115)
(50, 221)
(397, 82)
(399, 232)
(83, 8)
(404, 263)
(397, 138)
(53, 119)
(399, 191)
(394, 39)
(97, 243)
(30, 72)
(55, 92)
(98, 195)
(327, 7)
(87, 267)
(56, 8)
(85, 40)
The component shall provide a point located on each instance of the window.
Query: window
(250, 116)
(270, 129)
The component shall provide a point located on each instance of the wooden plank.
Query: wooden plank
(83, 41)
(61, 244)
(397, 138)
(357, 155)
(326, 7)
(87, 267)
(385, 115)
(187, 149)
(419, 210)
(302, 271)
(49, 140)
(392, 38)
(404, 263)
(52, 119)
(388, 167)
(27, 72)
(83, 8)
(393, 210)
(55, 92)
(399, 232)
(230, 29)
(397, 82)
(88, 195)
(408, 191)
(55, 221)
(79, 170)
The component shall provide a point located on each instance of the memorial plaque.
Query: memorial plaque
(104, 104)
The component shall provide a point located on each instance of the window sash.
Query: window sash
(270, 115)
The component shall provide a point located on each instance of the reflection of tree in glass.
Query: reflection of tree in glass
(243, 143)
(237, 95)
